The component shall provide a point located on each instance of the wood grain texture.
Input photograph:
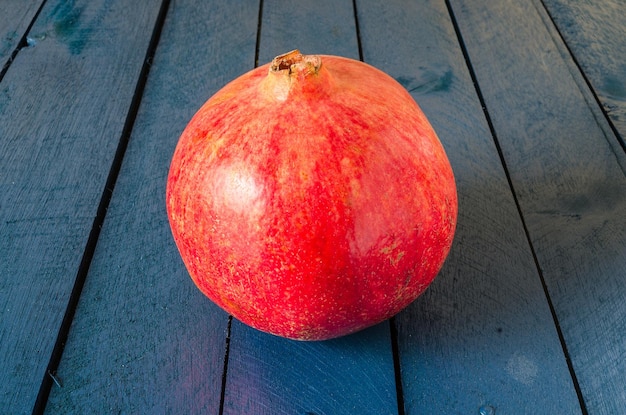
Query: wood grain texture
(482, 335)
(165, 341)
(271, 375)
(64, 104)
(570, 185)
(345, 376)
(595, 31)
(320, 27)
(15, 17)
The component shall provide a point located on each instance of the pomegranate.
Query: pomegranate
(310, 197)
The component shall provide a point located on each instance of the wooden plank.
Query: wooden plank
(165, 341)
(324, 28)
(570, 185)
(348, 375)
(15, 17)
(482, 337)
(64, 104)
(594, 31)
(271, 375)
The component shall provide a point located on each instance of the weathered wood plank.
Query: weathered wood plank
(165, 341)
(345, 376)
(570, 186)
(595, 31)
(482, 336)
(327, 27)
(271, 375)
(15, 17)
(62, 112)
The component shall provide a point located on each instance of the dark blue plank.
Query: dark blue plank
(144, 339)
(62, 112)
(595, 31)
(326, 27)
(271, 375)
(569, 182)
(482, 336)
(15, 17)
(348, 375)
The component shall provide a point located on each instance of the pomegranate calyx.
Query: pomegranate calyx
(296, 62)
(293, 71)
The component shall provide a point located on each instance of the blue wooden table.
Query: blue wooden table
(98, 314)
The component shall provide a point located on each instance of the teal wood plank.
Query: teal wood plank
(348, 375)
(271, 375)
(325, 27)
(569, 183)
(15, 17)
(62, 112)
(595, 31)
(144, 338)
(482, 336)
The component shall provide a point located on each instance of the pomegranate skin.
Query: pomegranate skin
(310, 198)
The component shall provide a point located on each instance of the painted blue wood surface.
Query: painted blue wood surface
(15, 17)
(348, 375)
(63, 107)
(594, 31)
(568, 180)
(320, 27)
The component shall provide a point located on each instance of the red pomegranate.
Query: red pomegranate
(310, 197)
